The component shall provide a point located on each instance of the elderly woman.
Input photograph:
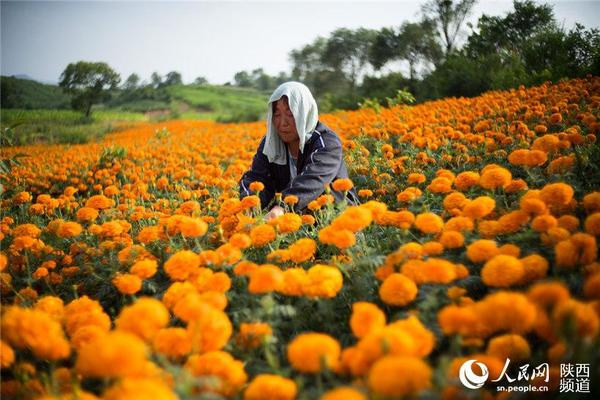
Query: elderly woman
(298, 156)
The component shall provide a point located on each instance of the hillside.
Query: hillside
(29, 94)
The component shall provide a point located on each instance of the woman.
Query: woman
(298, 156)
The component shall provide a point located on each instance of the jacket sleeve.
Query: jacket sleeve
(259, 171)
(319, 170)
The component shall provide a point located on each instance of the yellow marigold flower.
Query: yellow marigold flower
(267, 386)
(172, 342)
(556, 194)
(342, 185)
(257, 186)
(429, 223)
(144, 318)
(482, 250)
(592, 224)
(253, 334)
(181, 264)
(229, 372)
(365, 318)
(479, 207)
(262, 235)
(266, 278)
(116, 354)
(36, 330)
(510, 346)
(398, 290)
(309, 351)
(127, 283)
(395, 376)
(343, 393)
(138, 388)
(99, 202)
(323, 281)
(502, 271)
(87, 214)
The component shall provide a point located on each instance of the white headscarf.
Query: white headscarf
(304, 109)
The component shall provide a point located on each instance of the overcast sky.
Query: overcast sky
(208, 38)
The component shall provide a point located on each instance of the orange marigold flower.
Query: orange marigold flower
(416, 178)
(592, 224)
(145, 268)
(454, 200)
(502, 271)
(99, 202)
(466, 180)
(271, 387)
(22, 197)
(172, 342)
(144, 318)
(323, 281)
(302, 250)
(556, 194)
(343, 393)
(479, 208)
(364, 193)
(87, 214)
(229, 372)
(365, 318)
(452, 239)
(266, 278)
(210, 331)
(440, 185)
(287, 223)
(116, 354)
(342, 185)
(340, 238)
(397, 376)
(253, 334)
(459, 224)
(127, 283)
(251, 201)
(262, 235)
(495, 177)
(353, 219)
(309, 351)
(257, 186)
(581, 315)
(240, 240)
(290, 199)
(429, 223)
(181, 264)
(482, 250)
(398, 290)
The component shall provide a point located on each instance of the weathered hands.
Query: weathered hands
(274, 213)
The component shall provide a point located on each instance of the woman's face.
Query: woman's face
(284, 121)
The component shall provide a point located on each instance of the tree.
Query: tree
(200, 81)
(347, 51)
(132, 82)
(242, 79)
(156, 80)
(89, 83)
(414, 42)
(448, 16)
(173, 78)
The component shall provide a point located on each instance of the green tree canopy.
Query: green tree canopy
(89, 83)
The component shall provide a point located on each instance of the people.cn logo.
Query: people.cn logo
(469, 378)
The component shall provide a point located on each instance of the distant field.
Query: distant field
(61, 126)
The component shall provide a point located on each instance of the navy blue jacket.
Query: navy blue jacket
(319, 164)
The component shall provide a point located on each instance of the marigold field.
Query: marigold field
(130, 268)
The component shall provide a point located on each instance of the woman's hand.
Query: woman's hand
(274, 213)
